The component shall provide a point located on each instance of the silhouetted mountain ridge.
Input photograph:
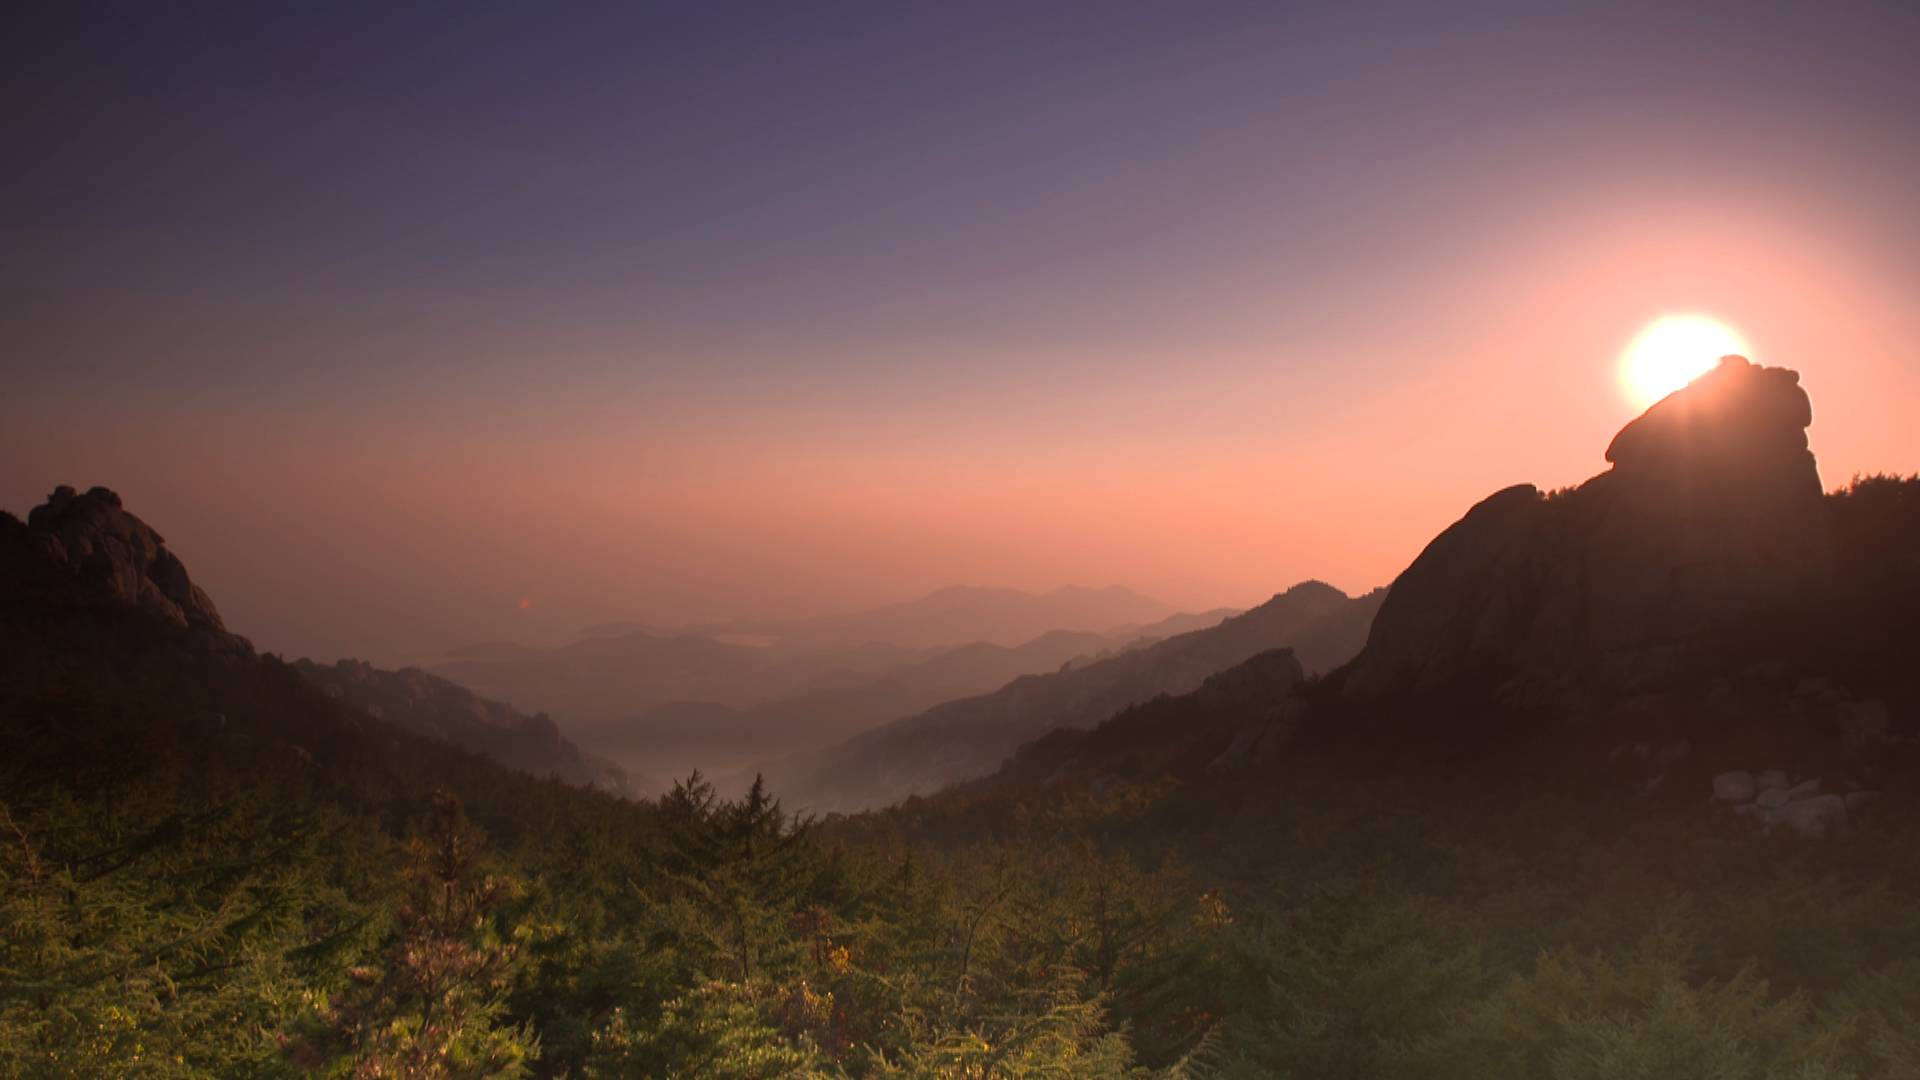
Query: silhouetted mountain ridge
(115, 556)
(958, 615)
(1709, 520)
(1700, 607)
(82, 557)
(428, 705)
(963, 739)
(676, 737)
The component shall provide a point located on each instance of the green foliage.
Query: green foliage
(162, 944)
(730, 878)
(432, 1008)
(1645, 1013)
(1346, 988)
(721, 1030)
(1055, 1033)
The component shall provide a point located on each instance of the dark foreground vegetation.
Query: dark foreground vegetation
(207, 867)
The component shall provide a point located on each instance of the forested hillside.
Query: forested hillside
(211, 869)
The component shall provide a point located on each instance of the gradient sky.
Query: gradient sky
(417, 325)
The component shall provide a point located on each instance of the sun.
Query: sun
(1672, 352)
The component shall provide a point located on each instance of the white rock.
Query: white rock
(1813, 817)
(1772, 778)
(1806, 789)
(1771, 798)
(1734, 787)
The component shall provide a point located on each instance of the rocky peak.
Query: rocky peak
(1740, 426)
(1709, 516)
(118, 556)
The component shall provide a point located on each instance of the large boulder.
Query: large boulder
(1709, 517)
(120, 558)
(1812, 817)
(1734, 787)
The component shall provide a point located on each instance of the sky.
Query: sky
(416, 325)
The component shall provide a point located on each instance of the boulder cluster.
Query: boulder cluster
(1709, 518)
(122, 559)
(1803, 804)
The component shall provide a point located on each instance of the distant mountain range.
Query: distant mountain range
(618, 670)
(954, 616)
(970, 737)
(722, 696)
(677, 737)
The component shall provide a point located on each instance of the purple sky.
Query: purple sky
(392, 317)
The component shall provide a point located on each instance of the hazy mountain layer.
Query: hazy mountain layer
(955, 616)
(432, 706)
(673, 739)
(970, 737)
(617, 674)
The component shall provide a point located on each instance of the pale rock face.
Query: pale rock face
(1710, 515)
(1774, 778)
(1812, 817)
(1772, 798)
(1734, 787)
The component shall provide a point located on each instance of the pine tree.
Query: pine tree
(432, 1009)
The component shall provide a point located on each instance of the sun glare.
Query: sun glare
(1673, 352)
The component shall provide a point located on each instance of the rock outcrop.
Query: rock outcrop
(120, 558)
(1709, 517)
(1806, 807)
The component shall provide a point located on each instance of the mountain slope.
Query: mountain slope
(429, 705)
(1701, 608)
(970, 737)
(1708, 525)
(84, 553)
(673, 739)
